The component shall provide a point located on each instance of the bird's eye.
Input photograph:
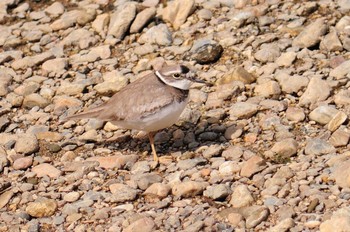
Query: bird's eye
(176, 75)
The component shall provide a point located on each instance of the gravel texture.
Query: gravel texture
(264, 148)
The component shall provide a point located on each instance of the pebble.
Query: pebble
(291, 84)
(238, 74)
(112, 162)
(311, 34)
(159, 35)
(270, 89)
(146, 223)
(341, 70)
(318, 147)
(26, 144)
(241, 197)
(295, 114)
(339, 221)
(5, 197)
(43, 207)
(46, 169)
(285, 148)
(323, 114)
(142, 19)
(23, 163)
(317, 90)
(252, 166)
(122, 192)
(188, 188)
(71, 197)
(243, 110)
(177, 12)
(205, 52)
(217, 192)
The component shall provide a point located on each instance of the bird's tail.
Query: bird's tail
(93, 113)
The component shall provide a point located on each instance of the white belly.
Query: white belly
(162, 119)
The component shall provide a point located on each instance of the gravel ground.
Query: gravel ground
(265, 148)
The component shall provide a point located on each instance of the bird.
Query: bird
(151, 103)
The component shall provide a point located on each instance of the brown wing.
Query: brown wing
(142, 97)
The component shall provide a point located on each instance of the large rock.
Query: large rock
(121, 20)
(340, 221)
(177, 12)
(311, 35)
(316, 91)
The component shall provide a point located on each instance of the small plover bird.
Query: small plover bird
(150, 103)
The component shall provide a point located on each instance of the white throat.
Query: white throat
(183, 84)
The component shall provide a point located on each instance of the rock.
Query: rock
(340, 173)
(33, 100)
(339, 221)
(114, 162)
(79, 37)
(69, 18)
(89, 136)
(295, 114)
(342, 98)
(229, 168)
(341, 71)
(253, 165)
(121, 19)
(55, 9)
(177, 12)
(43, 207)
(286, 59)
(331, 42)
(205, 14)
(323, 114)
(217, 192)
(241, 197)
(56, 66)
(71, 196)
(285, 148)
(254, 215)
(233, 132)
(188, 188)
(338, 119)
(159, 35)
(30, 61)
(238, 74)
(311, 35)
(158, 190)
(100, 23)
(270, 89)
(340, 137)
(267, 53)
(291, 84)
(5, 197)
(122, 192)
(318, 147)
(206, 51)
(190, 163)
(114, 81)
(316, 91)
(243, 110)
(145, 224)
(23, 163)
(283, 226)
(142, 19)
(46, 169)
(344, 6)
(26, 144)
(144, 180)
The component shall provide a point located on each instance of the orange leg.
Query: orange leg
(151, 140)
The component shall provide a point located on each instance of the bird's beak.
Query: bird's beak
(192, 77)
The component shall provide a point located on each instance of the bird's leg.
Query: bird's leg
(151, 140)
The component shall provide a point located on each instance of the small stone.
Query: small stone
(270, 89)
(100, 23)
(295, 114)
(43, 207)
(121, 20)
(27, 144)
(331, 42)
(145, 224)
(142, 19)
(217, 192)
(122, 192)
(283, 226)
(188, 188)
(55, 9)
(233, 132)
(158, 190)
(323, 114)
(23, 163)
(267, 53)
(254, 215)
(285, 148)
(341, 71)
(207, 53)
(340, 221)
(286, 59)
(5, 197)
(71, 197)
(312, 34)
(318, 147)
(177, 12)
(337, 121)
(238, 74)
(229, 168)
(252, 166)
(89, 136)
(242, 110)
(56, 66)
(241, 197)
(33, 100)
(316, 91)
(159, 35)
(46, 169)
(342, 98)
(340, 137)
(291, 84)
